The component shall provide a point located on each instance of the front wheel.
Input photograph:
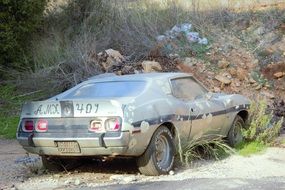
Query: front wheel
(159, 156)
(235, 134)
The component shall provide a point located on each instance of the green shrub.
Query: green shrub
(18, 21)
(261, 128)
(248, 148)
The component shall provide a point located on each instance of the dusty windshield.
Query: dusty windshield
(108, 89)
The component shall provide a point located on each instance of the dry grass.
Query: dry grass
(204, 147)
(65, 54)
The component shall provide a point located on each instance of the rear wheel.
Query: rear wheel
(235, 134)
(159, 156)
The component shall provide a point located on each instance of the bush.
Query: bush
(205, 147)
(18, 21)
(261, 127)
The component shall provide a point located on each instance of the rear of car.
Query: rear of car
(72, 128)
(85, 121)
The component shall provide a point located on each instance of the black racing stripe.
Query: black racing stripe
(171, 117)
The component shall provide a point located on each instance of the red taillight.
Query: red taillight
(96, 126)
(42, 125)
(28, 126)
(113, 124)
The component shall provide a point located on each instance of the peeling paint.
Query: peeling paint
(209, 118)
(199, 105)
(144, 126)
(132, 143)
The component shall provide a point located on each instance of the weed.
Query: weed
(8, 126)
(10, 106)
(248, 148)
(260, 80)
(205, 147)
(261, 129)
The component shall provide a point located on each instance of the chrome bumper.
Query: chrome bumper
(103, 146)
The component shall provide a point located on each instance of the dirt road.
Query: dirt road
(262, 171)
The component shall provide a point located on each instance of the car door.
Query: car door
(207, 115)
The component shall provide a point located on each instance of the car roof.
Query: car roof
(136, 77)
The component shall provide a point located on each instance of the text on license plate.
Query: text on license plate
(68, 146)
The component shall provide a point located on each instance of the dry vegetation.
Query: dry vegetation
(246, 44)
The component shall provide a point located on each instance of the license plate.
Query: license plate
(68, 146)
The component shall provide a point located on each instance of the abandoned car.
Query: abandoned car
(129, 116)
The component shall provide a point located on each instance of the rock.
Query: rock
(251, 80)
(129, 179)
(173, 56)
(110, 58)
(116, 55)
(116, 177)
(258, 87)
(171, 172)
(279, 75)
(232, 71)
(217, 89)
(189, 61)
(77, 182)
(222, 64)
(223, 80)
(241, 74)
(67, 182)
(151, 66)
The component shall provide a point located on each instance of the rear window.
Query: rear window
(108, 89)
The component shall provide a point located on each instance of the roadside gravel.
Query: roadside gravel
(94, 174)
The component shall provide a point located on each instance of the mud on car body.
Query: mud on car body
(129, 116)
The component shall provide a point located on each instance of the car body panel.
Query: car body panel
(140, 113)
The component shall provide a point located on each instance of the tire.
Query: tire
(235, 134)
(159, 156)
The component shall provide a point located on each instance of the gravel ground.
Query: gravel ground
(11, 172)
(262, 169)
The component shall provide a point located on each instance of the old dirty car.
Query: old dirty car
(129, 116)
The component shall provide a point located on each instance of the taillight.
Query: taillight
(42, 125)
(113, 124)
(96, 126)
(28, 126)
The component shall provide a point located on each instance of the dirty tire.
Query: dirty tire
(159, 156)
(235, 134)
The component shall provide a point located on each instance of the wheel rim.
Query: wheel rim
(162, 151)
(237, 133)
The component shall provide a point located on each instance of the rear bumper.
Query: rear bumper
(96, 146)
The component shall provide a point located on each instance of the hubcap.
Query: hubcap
(162, 151)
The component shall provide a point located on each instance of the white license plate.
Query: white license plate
(68, 146)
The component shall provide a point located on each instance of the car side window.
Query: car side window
(187, 88)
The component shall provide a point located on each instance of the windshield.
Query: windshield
(108, 89)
